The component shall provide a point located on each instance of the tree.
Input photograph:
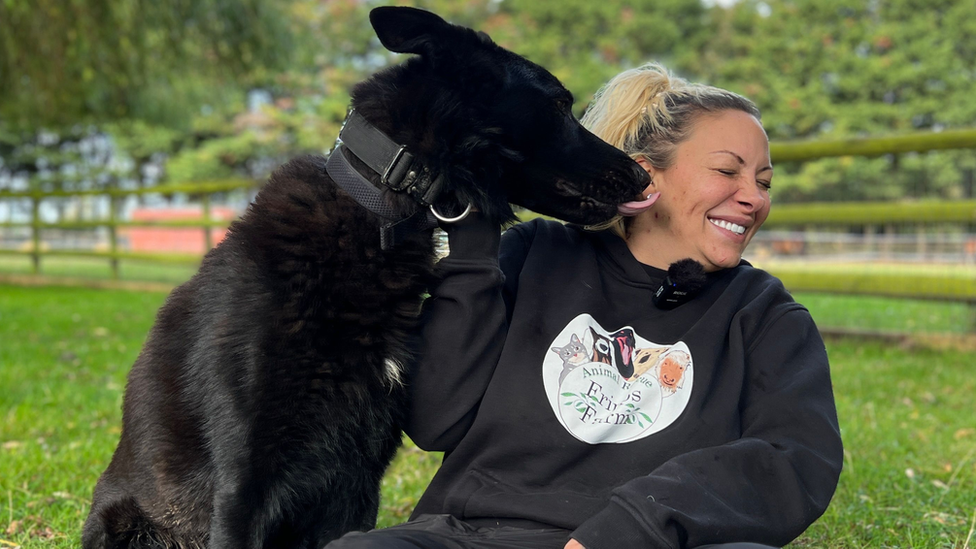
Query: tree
(832, 68)
(174, 74)
(63, 62)
(585, 43)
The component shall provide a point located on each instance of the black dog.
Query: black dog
(266, 403)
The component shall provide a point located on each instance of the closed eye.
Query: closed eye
(765, 184)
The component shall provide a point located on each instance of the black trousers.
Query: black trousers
(447, 532)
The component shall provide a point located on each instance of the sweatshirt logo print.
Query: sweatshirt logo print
(615, 387)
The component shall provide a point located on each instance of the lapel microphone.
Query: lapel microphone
(684, 280)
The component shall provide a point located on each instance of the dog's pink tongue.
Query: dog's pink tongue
(630, 209)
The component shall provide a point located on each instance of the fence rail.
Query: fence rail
(930, 286)
(844, 214)
(198, 188)
(799, 151)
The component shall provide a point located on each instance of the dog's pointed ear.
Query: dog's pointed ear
(407, 30)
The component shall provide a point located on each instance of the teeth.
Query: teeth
(737, 229)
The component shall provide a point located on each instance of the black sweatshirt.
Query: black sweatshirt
(563, 397)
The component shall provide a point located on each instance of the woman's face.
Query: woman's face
(713, 198)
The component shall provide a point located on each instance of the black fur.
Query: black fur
(262, 411)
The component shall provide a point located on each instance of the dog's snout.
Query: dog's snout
(640, 177)
(629, 180)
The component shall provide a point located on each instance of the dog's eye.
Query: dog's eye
(564, 105)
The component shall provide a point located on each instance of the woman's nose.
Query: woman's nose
(751, 196)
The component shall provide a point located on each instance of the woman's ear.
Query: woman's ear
(646, 164)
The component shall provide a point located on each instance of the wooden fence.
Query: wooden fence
(879, 224)
(883, 218)
(203, 189)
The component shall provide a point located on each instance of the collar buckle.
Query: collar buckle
(385, 179)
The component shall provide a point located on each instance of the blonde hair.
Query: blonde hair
(647, 112)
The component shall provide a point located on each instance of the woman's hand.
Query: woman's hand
(573, 544)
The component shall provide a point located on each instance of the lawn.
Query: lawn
(885, 314)
(906, 415)
(92, 268)
(830, 310)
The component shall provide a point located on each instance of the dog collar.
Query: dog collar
(394, 227)
(399, 170)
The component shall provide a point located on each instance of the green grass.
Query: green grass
(63, 358)
(906, 415)
(829, 310)
(97, 269)
(909, 433)
(889, 314)
(64, 354)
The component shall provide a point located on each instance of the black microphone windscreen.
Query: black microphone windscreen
(683, 281)
(687, 274)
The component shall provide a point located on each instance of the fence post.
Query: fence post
(971, 305)
(207, 237)
(807, 248)
(921, 244)
(36, 232)
(113, 238)
(889, 241)
(869, 233)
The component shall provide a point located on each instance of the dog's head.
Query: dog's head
(500, 125)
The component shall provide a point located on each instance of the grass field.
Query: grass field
(97, 268)
(906, 413)
(830, 310)
(885, 314)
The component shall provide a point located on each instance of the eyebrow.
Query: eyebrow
(741, 161)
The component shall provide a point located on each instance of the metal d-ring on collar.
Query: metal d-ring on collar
(451, 219)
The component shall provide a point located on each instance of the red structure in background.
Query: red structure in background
(174, 239)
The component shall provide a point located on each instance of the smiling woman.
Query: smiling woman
(706, 421)
(708, 157)
(712, 201)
